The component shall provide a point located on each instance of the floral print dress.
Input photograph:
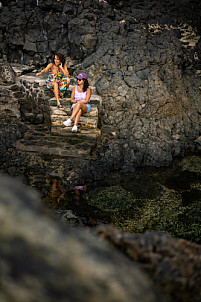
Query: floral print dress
(60, 79)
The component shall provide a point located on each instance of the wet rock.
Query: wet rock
(71, 219)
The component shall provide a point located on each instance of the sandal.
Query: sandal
(60, 107)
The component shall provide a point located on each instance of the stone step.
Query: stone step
(26, 72)
(32, 78)
(36, 141)
(64, 151)
(67, 111)
(83, 132)
(94, 101)
(22, 69)
(90, 122)
(67, 92)
(60, 141)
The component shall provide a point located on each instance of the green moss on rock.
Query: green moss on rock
(177, 212)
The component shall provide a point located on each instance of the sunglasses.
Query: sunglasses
(79, 79)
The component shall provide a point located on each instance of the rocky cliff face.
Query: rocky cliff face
(143, 56)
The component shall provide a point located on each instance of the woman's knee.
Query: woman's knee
(78, 105)
(54, 84)
(84, 108)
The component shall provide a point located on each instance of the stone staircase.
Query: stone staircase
(59, 140)
(38, 140)
(88, 124)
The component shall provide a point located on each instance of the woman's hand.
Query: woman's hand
(64, 69)
(61, 67)
(38, 74)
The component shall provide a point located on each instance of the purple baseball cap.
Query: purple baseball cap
(82, 76)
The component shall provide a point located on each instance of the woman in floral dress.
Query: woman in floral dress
(58, 79)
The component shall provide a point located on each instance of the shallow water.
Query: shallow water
(150, 199)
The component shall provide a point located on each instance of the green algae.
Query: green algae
(168, 201)
(191, 164)
(113, 205)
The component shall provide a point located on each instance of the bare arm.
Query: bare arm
(64, 70)
(49, 66)
(87, 96)
(72, 99)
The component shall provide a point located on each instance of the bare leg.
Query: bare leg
(56, 92)
(77, 117)
(77, 108)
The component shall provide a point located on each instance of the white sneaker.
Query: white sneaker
(74, 129)
(67, 123)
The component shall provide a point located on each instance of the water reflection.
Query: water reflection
(56, 195)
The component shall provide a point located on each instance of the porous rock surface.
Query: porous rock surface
(173, 264)
(142, 56)
(42, 261)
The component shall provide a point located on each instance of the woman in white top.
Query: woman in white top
(80, 99)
